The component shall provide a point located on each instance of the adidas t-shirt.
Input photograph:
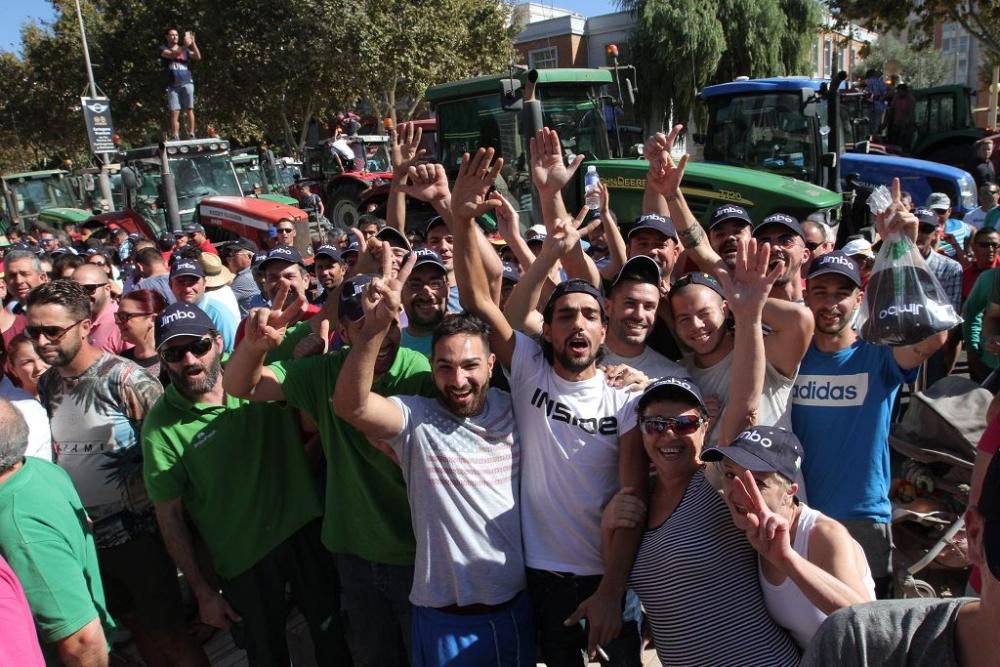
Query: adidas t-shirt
(841, 407)
(569, 452)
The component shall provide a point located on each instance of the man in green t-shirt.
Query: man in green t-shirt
(367, 516)
(213, 457)
(45, 537)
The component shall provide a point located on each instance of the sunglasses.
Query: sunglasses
(782, 240)
(990, 246)
(198, 348)
(812, 245)
(122, 318)
(92, 287)
(683, 425)
(52, 334)
(285, 230)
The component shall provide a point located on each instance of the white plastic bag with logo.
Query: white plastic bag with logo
(905, 302)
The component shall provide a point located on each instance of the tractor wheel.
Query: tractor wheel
(342, 206)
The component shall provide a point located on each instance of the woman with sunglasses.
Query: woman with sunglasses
(136, 317)
(695, 572)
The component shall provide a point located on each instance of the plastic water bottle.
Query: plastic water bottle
(592, 195)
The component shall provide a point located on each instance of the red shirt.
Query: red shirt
(20, 321)
(970, 273)
(206, 246)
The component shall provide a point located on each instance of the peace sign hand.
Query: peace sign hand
(768, 533)
(664, 175)
(566, 234)
(475, 176)
(266, 327)
(382, 299)
(747, 287)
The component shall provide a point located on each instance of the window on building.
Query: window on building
(546, 58)
(827, 57)
(814, 60)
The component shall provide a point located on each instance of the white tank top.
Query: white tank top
(788, 606)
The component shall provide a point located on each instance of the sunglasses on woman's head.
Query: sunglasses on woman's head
(683, 425)
(198, 348)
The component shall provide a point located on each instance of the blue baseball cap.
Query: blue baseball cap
(181, 319)
(783, 219)
(765, 449)
(675, 386)
(187, 267)
(655, 222)
(835, 262)
(730, 212)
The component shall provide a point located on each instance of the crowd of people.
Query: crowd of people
(449, 447)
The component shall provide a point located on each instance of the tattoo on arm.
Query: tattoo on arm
(692, 236)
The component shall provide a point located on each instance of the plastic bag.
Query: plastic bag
(905, 301)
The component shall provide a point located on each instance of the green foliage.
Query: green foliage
(679, 46)
(268, 68)
(920, 68)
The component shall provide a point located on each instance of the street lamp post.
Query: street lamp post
(104, 158)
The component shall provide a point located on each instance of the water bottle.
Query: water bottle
(592, 196)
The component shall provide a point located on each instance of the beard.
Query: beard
(576, 364)
(466, 409)
(192, 387)
(630, 336)
(61, 355)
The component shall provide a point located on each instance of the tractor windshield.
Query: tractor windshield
(203, 176)
(576, 114)
(34, 195)
(767, 132)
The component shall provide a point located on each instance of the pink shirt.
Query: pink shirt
(18, 639)
(105, 333)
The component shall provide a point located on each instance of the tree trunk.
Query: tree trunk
(305, 125)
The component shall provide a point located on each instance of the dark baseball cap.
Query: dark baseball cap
(187, 267)
(510, 273)
(672, 386)
(573, 286)
(283, 253)
(989, 509)
(641, 268)
(331, 252)
(351, 247)
(926, 216)
(181, 319)
(697, 278)
(730, 212)
(427, 257)
(240, 244)
(782, 219)
(835, 262)
(434, 222)
(193, 227)
(179, 233)
(394, 237)
(656, 222)
(764, 449)
(351, 292)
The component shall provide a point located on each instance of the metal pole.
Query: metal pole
(169, 191)
(104, 158)
(621, 101)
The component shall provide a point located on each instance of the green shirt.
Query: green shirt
(238, 467)
(972, 314)
(45, 537)
(367, 513)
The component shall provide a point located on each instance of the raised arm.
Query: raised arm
(246, 376)
(791, 332)
(192, 46)
(663, 184)
(617, 250)
(746, 290)
(405, 142)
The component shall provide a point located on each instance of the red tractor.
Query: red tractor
(342, 170)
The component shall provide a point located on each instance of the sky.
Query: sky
(17, 12)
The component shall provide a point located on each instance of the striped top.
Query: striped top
(696, 576)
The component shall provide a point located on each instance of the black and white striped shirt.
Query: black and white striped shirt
(696, 576)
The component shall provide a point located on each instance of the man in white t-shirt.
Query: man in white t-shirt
(579, 440)
(631, 307)
(460, 457)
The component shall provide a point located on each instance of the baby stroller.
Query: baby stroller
(938, 436)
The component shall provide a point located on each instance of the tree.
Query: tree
(679, 46)
(919, 68)
(980, 18)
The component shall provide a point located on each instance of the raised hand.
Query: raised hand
(383, 298)
(747, 286)
(405, 148)
(664, 175)
(566, 234)
(427, 182)
(508, 221)
(475, 176)
(769, 533)
(266, 327)
(896, 219)
(605, 206)
(549, 171)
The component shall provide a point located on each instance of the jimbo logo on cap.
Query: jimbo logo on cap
(169, 318)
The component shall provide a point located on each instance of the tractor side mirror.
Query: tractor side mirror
(511, 98)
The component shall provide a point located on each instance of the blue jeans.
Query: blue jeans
(554, 598)
(500, 638)
(375, 600)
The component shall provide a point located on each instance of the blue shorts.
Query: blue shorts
(180, 97)
(502, 638)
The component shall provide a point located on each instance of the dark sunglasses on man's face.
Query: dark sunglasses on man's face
(285, 230)
(52, 334)
(683, 425)
(198, 348)
(93, 287)
(986, 245)
(812, 245)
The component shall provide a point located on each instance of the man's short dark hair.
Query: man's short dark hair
(13, 435)
(369, 219)
(149, 257)
(191, 252)
(63, 292)
(65, 261)
(462, 324)
(985, 231)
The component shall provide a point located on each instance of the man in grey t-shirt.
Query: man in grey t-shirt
(460, 458)
(941, 633)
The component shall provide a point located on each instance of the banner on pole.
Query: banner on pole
(97, 114)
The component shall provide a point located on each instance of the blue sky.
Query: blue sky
(18, 11)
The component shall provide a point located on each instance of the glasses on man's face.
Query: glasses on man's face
(994, 191)
(683, 425)
(47, 240)
(198, 348)
(285, 230)
(986, 245)
(122, 317)
(99, 262)
(415, 285)
(93, 287)
(812, 245)
(781, 241)
(52, 334)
